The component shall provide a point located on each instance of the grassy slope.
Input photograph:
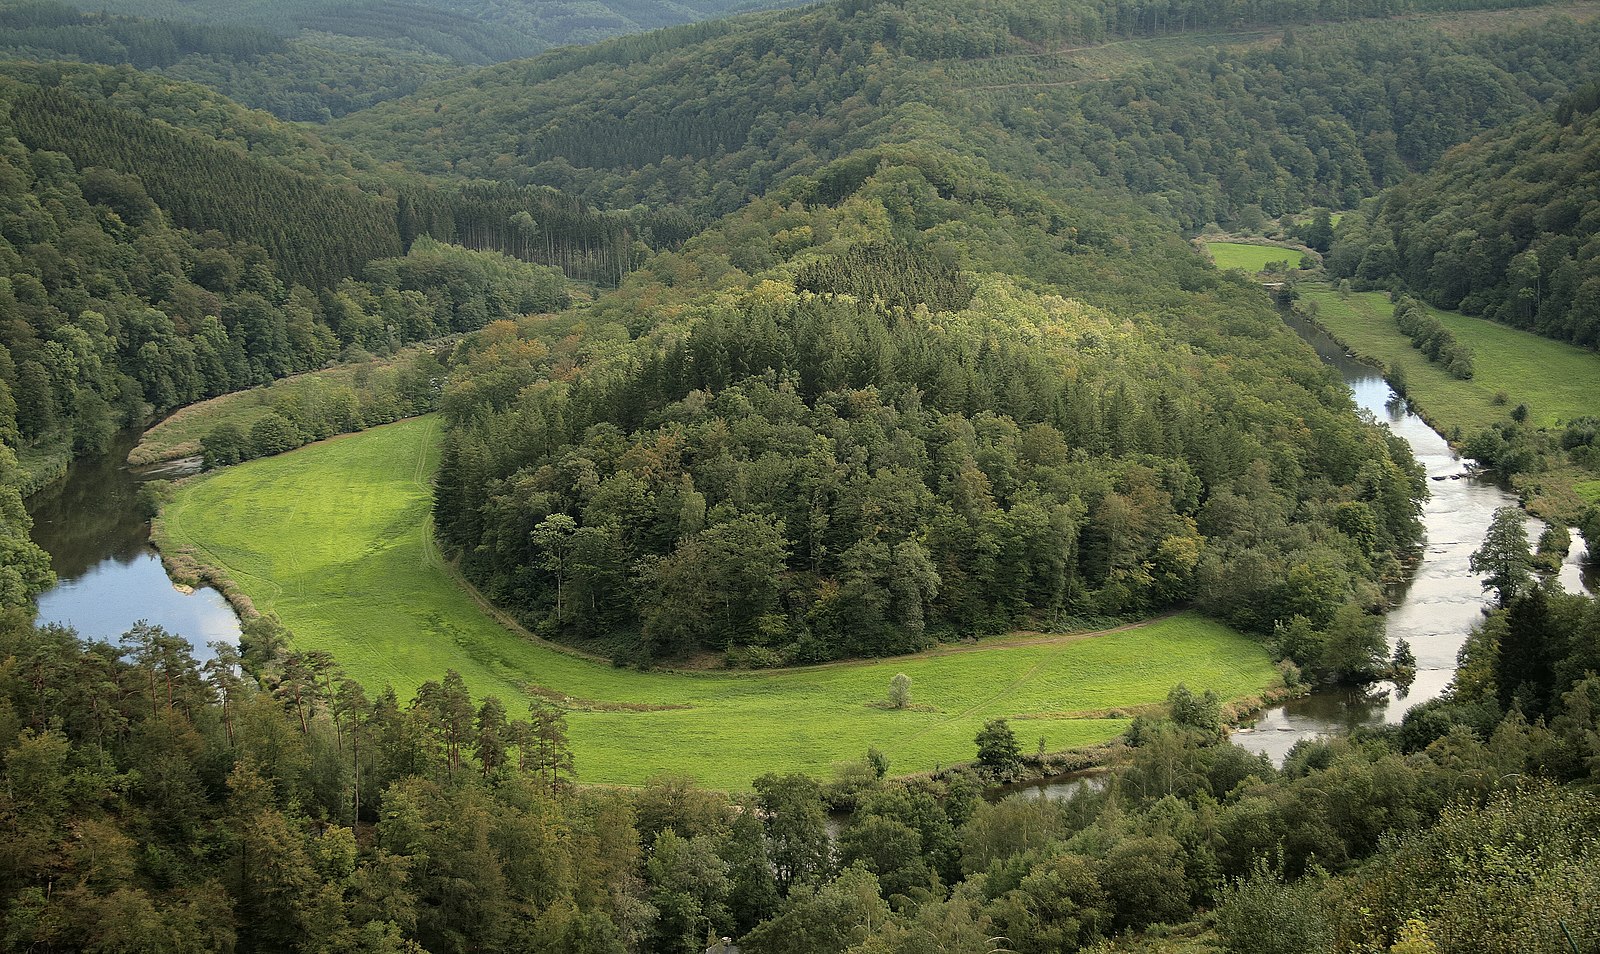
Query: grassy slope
(180, 433)
(336, 539)
(1251, 258)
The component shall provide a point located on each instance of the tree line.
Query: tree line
(1206, 134)
(260, 801)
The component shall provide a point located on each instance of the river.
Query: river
(109, 576)
(1439, 604)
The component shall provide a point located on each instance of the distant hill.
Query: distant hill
(1201, 126)
(311, 60)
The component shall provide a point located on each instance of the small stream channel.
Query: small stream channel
(110, 577)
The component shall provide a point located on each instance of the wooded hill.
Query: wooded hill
(1200, 133)
(903, 359)
(1505, 226)
(856, 426)
(310, 60)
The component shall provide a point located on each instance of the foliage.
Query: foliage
(1432, 338)
(627, 123)
(1503, 228)
(899, 690)
(997, 749)
(1554, 380)
(1504, 558)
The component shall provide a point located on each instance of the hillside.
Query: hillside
(1505, 227)
(834, 409)
(1200, 132)
(311, 60)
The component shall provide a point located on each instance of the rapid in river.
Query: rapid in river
(1437, 606)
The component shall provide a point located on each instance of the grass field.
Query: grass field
(1250, 258)
(1557, 381)
(336, 539)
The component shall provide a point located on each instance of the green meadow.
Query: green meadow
(1557, 381)
(336, 539)
(1250, 258)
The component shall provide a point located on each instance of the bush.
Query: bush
(273, 434)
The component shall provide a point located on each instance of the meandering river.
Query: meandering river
(110, 577)
(1438, 605)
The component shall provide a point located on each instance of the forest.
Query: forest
(788, 475)
(1505, 228)
(156, 804)
(811, 335)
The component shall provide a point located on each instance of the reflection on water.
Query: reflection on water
(1437, 607)
(1058, 787)
(110, 578)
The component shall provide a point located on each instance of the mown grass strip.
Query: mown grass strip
(1251, 258)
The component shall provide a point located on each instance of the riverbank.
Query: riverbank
(1556, 382)
(178, 435)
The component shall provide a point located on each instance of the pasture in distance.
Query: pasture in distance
(1251, 258)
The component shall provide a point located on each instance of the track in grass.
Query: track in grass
(335, 538)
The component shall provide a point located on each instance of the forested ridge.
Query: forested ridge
(1504, 227)
(895, 340)
(794, 476)
(114, 313)
(311, 61)
(1325, 120)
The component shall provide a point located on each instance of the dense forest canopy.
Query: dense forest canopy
(152, 804)
(1326, 119)
(797, 474)
(311, 60)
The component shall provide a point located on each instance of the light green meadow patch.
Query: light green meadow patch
(1558, 382)
(336, 539)
(1251, 258)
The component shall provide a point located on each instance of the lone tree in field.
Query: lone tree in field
(1504, 556)
(997, 748)
(900, 690)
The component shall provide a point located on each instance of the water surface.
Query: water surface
(110, 577)
(1437, 606)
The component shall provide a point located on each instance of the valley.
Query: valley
(334, 538)
(673, 492)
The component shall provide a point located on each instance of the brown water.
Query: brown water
(1437, 607)
(109, 576)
